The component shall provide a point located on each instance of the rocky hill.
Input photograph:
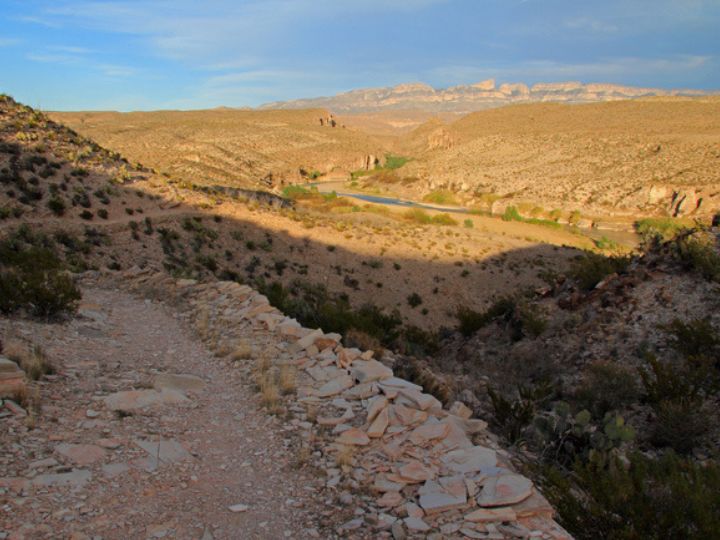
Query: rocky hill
(609, 161)
(471, 97)
(240, 148)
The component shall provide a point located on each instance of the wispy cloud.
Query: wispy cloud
(610, 69)
(79, 59)
(9, 42)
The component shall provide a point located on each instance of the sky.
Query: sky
(182, 54)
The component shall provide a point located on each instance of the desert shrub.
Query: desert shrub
(418, 215)
(607, 386)
(519, 317)
(511, 214)
(591, 268)
(414, 300)
(642, 498)
(315, 307)
(680, 425)
(395, 162)
(102, 213)
(659, 229)
(471, 321)
(440, 196)
(32, 279)
(468, 224)
(56, 206)
(513, 415)
(701, 255)
(444, 219)
(86, 214)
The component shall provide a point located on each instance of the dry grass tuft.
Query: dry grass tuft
(202, 323)
(243, 351)
(288, 377)
(345, 455)
(31, 359)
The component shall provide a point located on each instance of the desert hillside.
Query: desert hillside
(248, 149)
(609, 160)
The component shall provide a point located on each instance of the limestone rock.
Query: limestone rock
(364, 371)
(505, 490)
(81, 454)
(353, 437)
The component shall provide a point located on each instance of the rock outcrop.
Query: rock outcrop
(471, 97)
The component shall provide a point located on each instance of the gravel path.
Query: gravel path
(218, 449)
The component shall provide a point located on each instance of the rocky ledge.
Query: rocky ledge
(410, 467)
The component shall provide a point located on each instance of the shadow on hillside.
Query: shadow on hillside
(264, 245)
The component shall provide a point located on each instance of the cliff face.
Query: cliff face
(471, 97)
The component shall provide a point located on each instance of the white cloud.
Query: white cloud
(80, 60)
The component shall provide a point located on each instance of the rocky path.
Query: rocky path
(123, 449)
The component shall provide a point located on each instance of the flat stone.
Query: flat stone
(361, 391)
(238, 508)
(75, 478)
(505, 490)
(111, 470)
(399, 384)
(415, 472)
(390, 499)
(166, 451)
(427, 432)
(439, 501)
(416, 524)
(369, 371)
(376, 405)
(408, 416)
(181, 383)
(305, 341)
(81, 454)
(134, 400)
(487, 515)
(423, 401)
(468, 460)
(353, 437)
(42, 463)
(335, 386)
(379, 425)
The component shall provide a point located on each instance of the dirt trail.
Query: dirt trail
(218, 449)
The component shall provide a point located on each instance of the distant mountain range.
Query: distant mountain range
(471, 97)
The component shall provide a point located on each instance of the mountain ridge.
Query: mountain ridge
(473, 97)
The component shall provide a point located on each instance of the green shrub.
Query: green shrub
(86, 214)
(414, 300)
(395, 162)
(659, 229)
(511, 214)
(681, 425)
(591, 268)
(440, 196)
(32, 278)
(56, 206)
(645, 498)
(468, 224)
(701, 255)
(606, 387)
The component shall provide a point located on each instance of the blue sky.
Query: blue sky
(132, 55)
